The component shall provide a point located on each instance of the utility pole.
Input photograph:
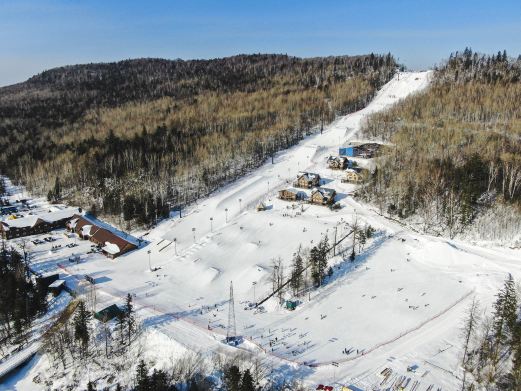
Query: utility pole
(231, 331)
(254, 283)
(211, 224)
(149, 263)
(175, 246)
(193, 230)
(226, 214)
(334, 242)
(240, 204)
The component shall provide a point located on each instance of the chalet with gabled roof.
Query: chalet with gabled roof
(356, 175)
(292, 194)
(307, 180)
(323, 196)
(337, 162)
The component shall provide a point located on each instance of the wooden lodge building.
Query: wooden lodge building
(307, 180)
(356, 175)
(113, 243)
(337, 162)
(323, 196)
(292, 194)
(35, 224)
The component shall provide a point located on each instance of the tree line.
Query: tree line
(158, 134)
(455, 148)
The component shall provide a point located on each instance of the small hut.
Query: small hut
(108, 313)
(261, 207)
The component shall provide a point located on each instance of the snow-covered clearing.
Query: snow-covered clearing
(400, 303)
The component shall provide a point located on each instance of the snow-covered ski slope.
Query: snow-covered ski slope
(400, 303)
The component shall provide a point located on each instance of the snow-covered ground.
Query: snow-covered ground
(400, 303)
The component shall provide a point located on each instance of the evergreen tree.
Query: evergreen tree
(232, 378)
(322, 262)
(247, 382)
(296, 274)
(505, 311)
(129, 208)
(91, 386)
(159, 381)
(314, 260)
(142, 381)
(57, 193)
(193, 386)
(121, 327)
(515, 372)
(504, 319)
(130, 321)
(81, 326)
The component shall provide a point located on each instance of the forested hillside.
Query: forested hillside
(456, 148)
(136, 137)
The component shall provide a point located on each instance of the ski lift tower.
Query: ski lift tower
(231, 331)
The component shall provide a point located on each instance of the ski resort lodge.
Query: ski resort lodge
(113, 243)
(37, 224)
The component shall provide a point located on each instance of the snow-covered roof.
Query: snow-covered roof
(335, 158)
(73, 222)
(57, 284)
(105, 227)
(85, 230)
(324, 191)
(309, 175)
(111, 248)
(31, 220)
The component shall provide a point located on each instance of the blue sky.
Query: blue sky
(38, 35)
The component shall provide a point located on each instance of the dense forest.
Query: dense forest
(455, 148)
(22, 298)
(137, 137)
